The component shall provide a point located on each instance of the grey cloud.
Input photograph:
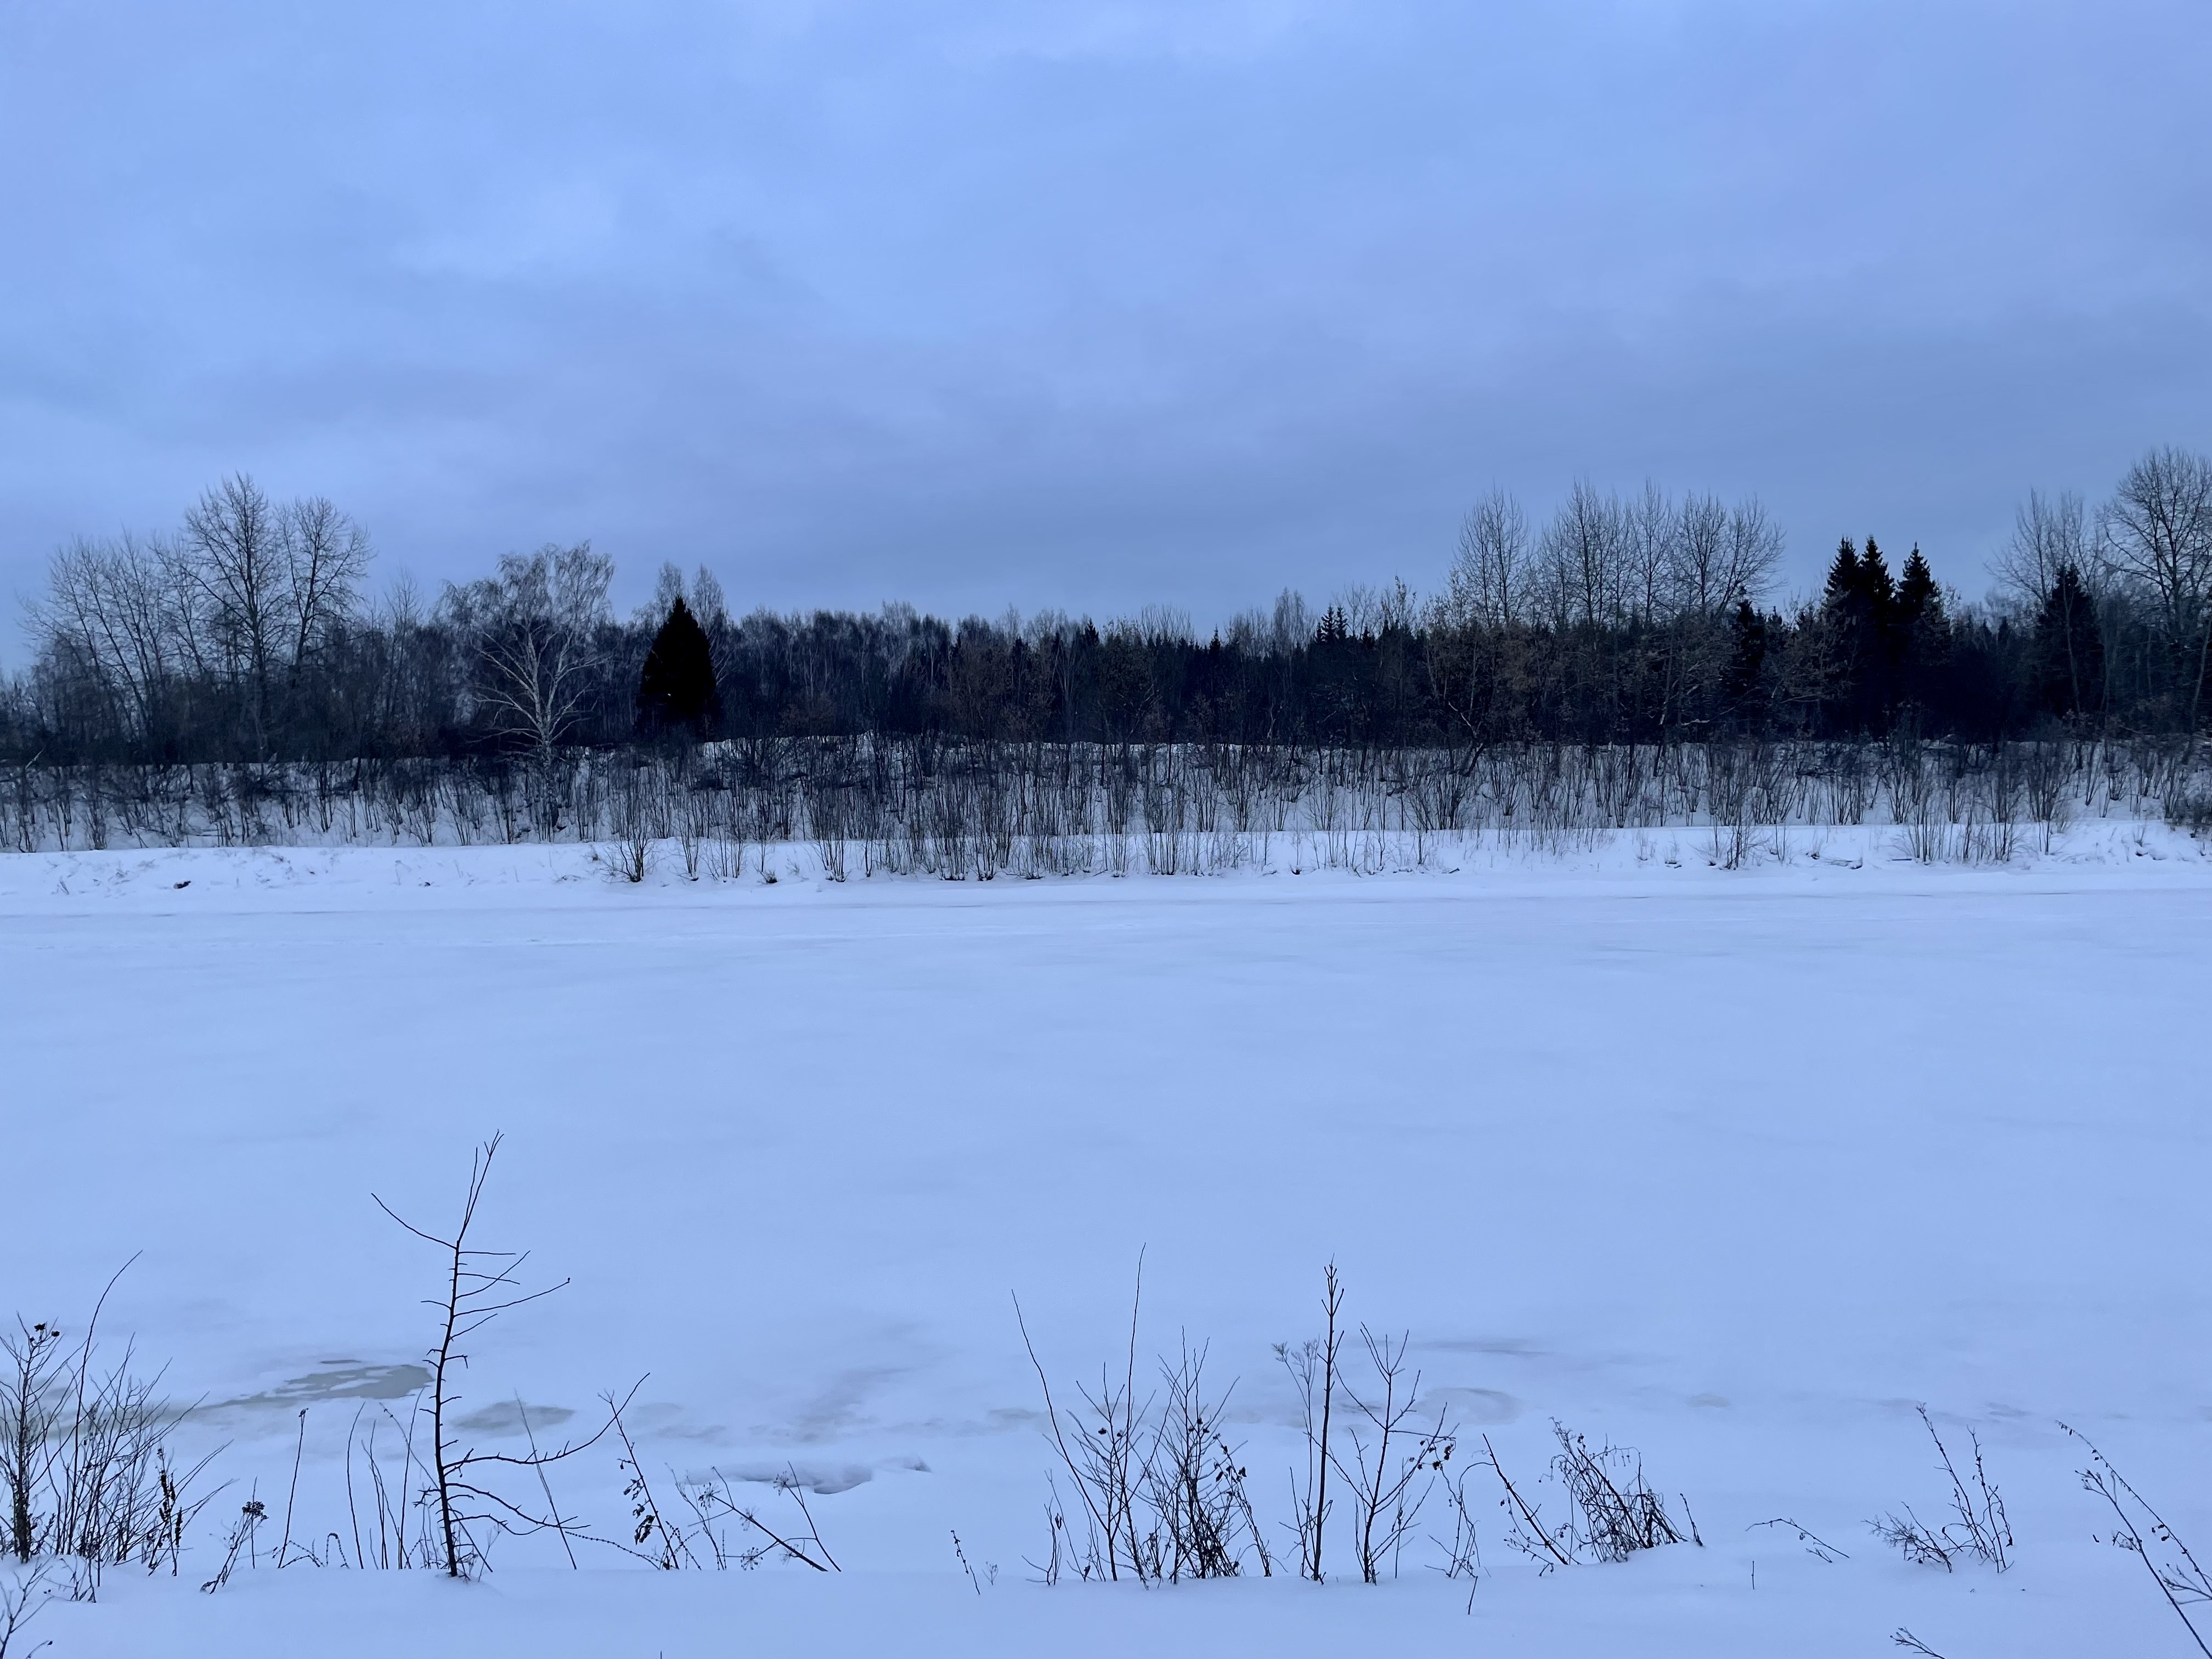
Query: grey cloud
(1089, 305)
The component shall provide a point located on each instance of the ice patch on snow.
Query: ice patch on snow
(1481, 1407)
(507, 1418)
(333, 1379)
(821, 1481)
(838, 1409)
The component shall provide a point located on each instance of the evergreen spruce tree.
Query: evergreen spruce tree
(1856, 606)
(1882, 644)
(675, 693)
(1920, 634)
(1747, 663)
(2066, 656)
(1843, 584)
(1881, 592)
(1918, 599)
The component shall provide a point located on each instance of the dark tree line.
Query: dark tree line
(247, 635)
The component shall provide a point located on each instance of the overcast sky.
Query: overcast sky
(1089, 305)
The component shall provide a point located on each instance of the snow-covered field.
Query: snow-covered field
(1732, 1167)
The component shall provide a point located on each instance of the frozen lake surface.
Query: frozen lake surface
(1734, 1168)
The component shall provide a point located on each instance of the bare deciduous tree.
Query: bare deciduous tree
(238, 568)
(1490, 571)
(1650, 553)
(537, 624)
(1581, 567)
(1723, 554)
(112, 606)
(2157, 532)
(2049, 534)
(326, 558)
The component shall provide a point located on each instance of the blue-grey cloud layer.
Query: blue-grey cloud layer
(1090, 304)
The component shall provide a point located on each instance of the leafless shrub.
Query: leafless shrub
(970, 808)
(1161, 1491)
(1927, 836)
(652, 1538)
(22, 1597)
(1611, 1511)
(828, 820)
(714, 1505)
(35, 1356)
(1106, 1461)
(639, 812)
(990, 1568)
(2191, 810)
(1980, 1529)
(1195, 1479)
(242, 1541)
(391, 1492)
(1060, 1555)
(1815, 1546)
(695, 823)
(85, 1455)
(2143, 1531)
(1464, 1552)
(1619, 1514)
(1921, 1545)
(726, 831)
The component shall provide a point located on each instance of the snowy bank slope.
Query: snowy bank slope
(1731, 1167)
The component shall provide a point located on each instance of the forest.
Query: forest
(248, 634)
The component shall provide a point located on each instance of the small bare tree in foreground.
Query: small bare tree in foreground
(480, 1286)
(1312, 1368)
(1379, 1450)
(1394, 1459)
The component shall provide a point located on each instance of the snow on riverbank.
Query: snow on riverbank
(569, 873)
(1732, 1166)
